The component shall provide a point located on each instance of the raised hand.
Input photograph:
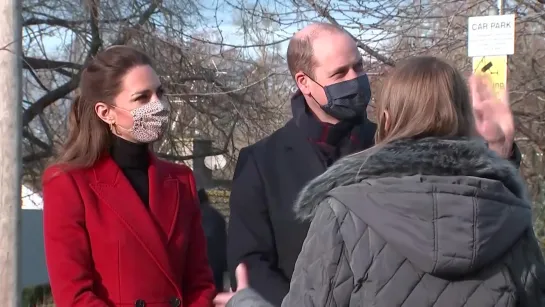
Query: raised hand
(241, 274)
(493, 117)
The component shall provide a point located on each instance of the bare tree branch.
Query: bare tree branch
(35, 64)
(71, 85)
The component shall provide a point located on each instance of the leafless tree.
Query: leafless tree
(235, 92)
(216, 92)
(390, 30)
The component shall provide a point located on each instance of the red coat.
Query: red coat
(104, 248)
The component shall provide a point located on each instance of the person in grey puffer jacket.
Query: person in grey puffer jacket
(428, 217)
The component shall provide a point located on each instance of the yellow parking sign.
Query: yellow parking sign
(495, 67)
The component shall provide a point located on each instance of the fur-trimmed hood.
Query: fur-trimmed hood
(414, 192)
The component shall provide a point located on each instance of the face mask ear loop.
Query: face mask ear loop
(314, 81)
(111, 123)
(311, 96)
(113, 128)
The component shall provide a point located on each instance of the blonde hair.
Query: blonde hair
(424, 96)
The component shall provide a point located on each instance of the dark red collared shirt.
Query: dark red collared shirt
(332, 148)
(330, 141)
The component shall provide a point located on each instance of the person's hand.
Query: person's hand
(241, 274)
(493, 117)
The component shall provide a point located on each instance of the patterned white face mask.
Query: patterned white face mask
(149, 121)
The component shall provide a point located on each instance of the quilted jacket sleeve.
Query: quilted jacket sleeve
(248, 298)
(531, 271)
(322, 275)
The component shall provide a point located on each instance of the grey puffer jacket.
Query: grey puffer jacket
(416, 223)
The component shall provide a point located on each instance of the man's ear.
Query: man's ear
(104, 112)
(302, 82)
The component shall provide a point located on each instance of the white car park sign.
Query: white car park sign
(491, 35)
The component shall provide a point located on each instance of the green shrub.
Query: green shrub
(35, 296)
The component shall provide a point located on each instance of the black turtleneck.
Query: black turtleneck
(133, 159)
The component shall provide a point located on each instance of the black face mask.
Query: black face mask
(348, 100)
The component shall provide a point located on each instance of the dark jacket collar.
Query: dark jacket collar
(320, 132)
(311, 127)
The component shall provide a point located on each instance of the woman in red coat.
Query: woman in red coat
(121, 227)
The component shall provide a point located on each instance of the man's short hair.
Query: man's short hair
(300, 53)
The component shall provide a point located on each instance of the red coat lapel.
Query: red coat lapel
(113, 188)
(164, 198)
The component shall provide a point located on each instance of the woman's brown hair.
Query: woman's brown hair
(101, 80)
(424, 96)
